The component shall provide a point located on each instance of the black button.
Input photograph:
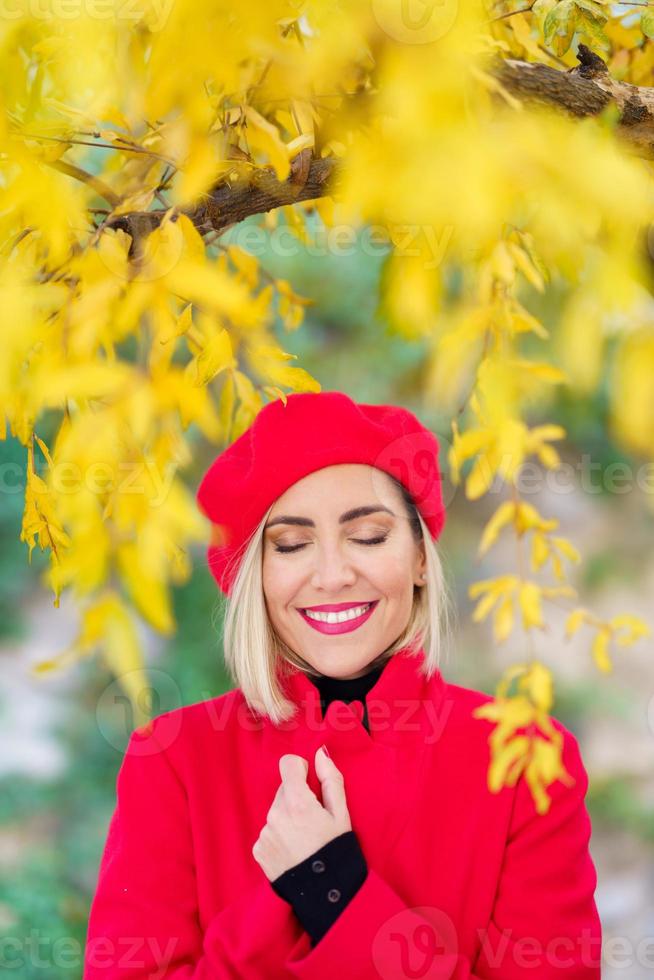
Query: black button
(333, 894)
(318, 866)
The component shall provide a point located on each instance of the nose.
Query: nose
(332, 569)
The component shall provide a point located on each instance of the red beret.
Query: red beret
(288, 441)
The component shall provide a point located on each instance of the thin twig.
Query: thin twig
(510, 13)
(104, 146)
(98, 185)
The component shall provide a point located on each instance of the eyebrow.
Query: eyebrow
(349, 515)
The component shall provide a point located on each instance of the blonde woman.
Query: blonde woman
(330, 815)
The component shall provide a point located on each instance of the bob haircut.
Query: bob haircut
(257, 658)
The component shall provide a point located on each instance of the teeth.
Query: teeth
(340, 617)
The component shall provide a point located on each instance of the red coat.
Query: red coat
(462, 883)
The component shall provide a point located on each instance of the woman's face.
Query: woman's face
(346, 542)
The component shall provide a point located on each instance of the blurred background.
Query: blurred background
(62, 734)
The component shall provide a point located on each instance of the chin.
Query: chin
(339, 667)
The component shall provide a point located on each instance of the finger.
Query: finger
(332, 784)
(296, 761)
(293, 769)
(295, 789)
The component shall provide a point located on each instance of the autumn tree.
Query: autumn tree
(502, 151)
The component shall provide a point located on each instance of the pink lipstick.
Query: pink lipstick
(344, 627)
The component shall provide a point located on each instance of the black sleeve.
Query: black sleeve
(320, 887)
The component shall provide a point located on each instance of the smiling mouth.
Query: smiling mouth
(344, 616)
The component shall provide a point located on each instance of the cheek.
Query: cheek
(270, 581)
(280, 580)
(392, 572)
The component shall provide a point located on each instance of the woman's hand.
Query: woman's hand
(297, 824)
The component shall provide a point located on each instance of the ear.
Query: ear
(420, 570)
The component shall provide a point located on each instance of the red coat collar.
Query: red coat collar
(402, 704)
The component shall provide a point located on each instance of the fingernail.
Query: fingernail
(324, 748)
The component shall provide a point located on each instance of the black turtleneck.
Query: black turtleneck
(320, 886)
(346, 689)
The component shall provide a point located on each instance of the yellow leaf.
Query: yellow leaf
(491, 710)
(204, 284)
(516, 671)
(250, 403)
(600, 651)
(274, 392)
(539, 550)
(524, 263)
(199, 172)
(529, 598)
(524, 322)
(540, 432)
(58, 662)
(147, 589)
(216, 356)
(546, 758)
(463, 447)
(297, 379)
(173, 326)
(481, 475)
(544, 768)
(193, 241)
(246, 264)
(504, 513)
(44, 450)
(53, 383)
(508, 764)
(263, 136)
(303, 114)
(226, 405)
(574, 621)
(502, 263)
(540, 797)
(634, 626)
(451, 362)
(539, 683)
(542, 372)
(528, 517)
(503, 619)
(484, 606)
(548, 456)
(567, 548)
(299, 143)
(555, 590)
(502, 583)
(510, 712)
(632, 392)
(50, 151)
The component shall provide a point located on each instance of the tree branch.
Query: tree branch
(232, 201)
(584, 91)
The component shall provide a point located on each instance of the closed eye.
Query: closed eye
(288, 548)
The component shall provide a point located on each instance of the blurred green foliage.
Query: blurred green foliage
(56, 829)
(17, 577)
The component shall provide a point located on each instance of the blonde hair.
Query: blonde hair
(253, 650)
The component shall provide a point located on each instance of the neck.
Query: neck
(353, 677)
(346, 688)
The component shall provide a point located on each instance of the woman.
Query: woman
(330, 816)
